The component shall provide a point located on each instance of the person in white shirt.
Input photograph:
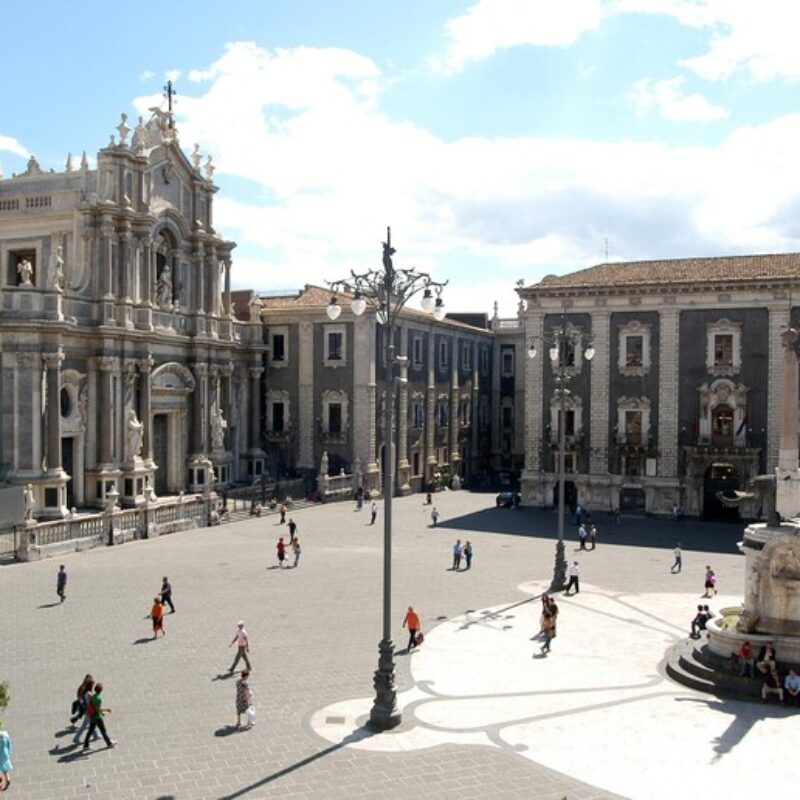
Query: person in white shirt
(242, 640)
(574, 575)
(792, 685)
(676, 567)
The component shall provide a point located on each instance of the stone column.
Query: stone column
(598, 394)
(532, 483)
(199, 409)
(255, 407)
(53, 363)
(227, 299)
(779, 321)
(668, 377)
(107, 259)
(307, 426)
(198, 262)
(105, 408)
(145, 407)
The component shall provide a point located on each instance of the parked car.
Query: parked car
(508, 499)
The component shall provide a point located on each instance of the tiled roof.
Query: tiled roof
(318, 297)
(683, 270)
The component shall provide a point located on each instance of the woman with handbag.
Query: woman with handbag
(244, 700)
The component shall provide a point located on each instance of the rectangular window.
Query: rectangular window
(415, 462)
(633, 427)
(334, 347)
(442, 355)
(466, 356)
(17, 275)
(507, 416)
(277, 417)
(417, 351)
(634, 351)
(569, 422)
(278, 347)
(335, 418)
(567, 353)
(507, 363)
(484, 360)
(723, 350)
(444, 414)
(418, 417)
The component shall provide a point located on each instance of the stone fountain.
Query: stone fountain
(771, 608)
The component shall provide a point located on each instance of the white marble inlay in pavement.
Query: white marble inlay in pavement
(597, 708)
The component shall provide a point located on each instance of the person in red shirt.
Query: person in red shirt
(412, 623)
(157, 615)
(281, 551)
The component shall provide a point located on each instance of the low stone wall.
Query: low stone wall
(37, 540)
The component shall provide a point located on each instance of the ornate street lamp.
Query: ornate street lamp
(388, 289)
(558, 345)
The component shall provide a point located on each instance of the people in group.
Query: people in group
(411, 622)
(242, 641)
(6, 751)
(296, 550)
(281, 548)
(166, 594)
(767, 658)
(678, 563)
(157, 615)
(80, 709)
(61, 583)
(244, 699)
(96, 713)
(746, 660)
(772, 685)
(255, 509)
(710, 582)
(700, 620)
(574, 576)
(467, 553)
(791, 686)
(457, 551)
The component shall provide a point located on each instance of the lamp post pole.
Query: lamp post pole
(389, 289)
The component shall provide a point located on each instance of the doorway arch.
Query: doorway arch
(721, 476)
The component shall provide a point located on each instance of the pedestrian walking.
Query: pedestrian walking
(583, 535)
(457, 550)
(81, 709)
(96, 713)
(283, 511)
(281, 548)
(292, 529)
(61, 583)
(678, 563)
(411, 622)
(244, 700)
(549, 628)
(593, 536)
(242, 641)
(373, 511)
(467, 551)
(710, 582)
(166, 594)
(578, 514)
(157, 615)
(574, 575)
(545, 609)
(6, 751)
(434, 516)
(296, 550)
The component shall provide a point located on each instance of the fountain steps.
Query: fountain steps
(691, 663)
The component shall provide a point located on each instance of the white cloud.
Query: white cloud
(324, 170)
(492, 25)
(668, 100)
(146, 75)
(10, 145)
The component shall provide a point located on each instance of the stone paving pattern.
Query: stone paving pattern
(314, 635)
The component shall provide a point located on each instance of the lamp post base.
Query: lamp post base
(559, 569)
(384, 714)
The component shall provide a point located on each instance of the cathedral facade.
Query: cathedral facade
(125, 375)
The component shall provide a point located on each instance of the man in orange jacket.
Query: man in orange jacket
(412, 622)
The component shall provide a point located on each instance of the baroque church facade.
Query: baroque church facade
(125, 375)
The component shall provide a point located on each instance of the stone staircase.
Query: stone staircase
(691, 663)
(243, 511)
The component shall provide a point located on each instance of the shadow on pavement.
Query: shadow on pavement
(228, 730)
(356, 736)
(715, 537)
(50, 605)
(144, 640)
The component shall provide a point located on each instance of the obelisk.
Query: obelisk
(787, 475)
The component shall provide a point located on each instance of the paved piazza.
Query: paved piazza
(484, 715)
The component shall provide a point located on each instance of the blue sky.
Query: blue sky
(501, 139)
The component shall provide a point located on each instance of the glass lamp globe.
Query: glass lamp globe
(334, 309)
(438, 310)
(359, 304)
(532, 351)
(554, 353)
(589, 354)
(428, 302)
